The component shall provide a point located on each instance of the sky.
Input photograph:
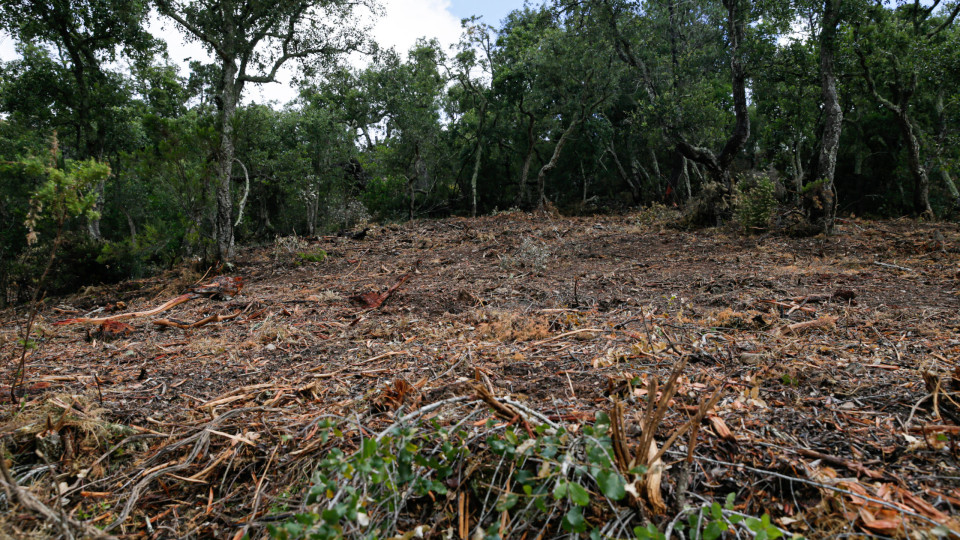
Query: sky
(403, 23)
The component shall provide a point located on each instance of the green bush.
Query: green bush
(543, 477)
(317, 256)
(755, 203)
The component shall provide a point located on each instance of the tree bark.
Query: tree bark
(921, 181)
(528, 159)
(719, 165)
(629, 178)
(230, 94)
(473, 179)
(821, 203)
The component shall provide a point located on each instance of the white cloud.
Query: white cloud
(403, 22)
(407, 20)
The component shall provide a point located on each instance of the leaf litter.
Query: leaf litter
(817, 379)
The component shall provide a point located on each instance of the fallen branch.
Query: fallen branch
(507, 412)
(221, 286)
(374, 300)
(826, 321)
(852, 465)
(893, 266)
(182, 299)
(202, 322)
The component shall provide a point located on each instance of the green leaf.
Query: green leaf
(560, 491)
(508, 502)
(714, 530)
(369, 448)
(611, 485)
(573, 521)
(579, 495)
(331, 516)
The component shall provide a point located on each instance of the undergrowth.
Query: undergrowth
(504, 480)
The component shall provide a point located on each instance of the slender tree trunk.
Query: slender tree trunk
(93, 224)
(412, 189)
(230, 95)
(630, 178)
(821, 202)
(132, 226)
(741, 129)
(948, 181)
(717, 204)
(528, 159)
(550, 165)
(921, 180)
(655, 163)
(473, 180)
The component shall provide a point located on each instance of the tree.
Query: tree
(678, 74)
(476, 39)
(894, 47)
(87, 35)
(820, 201)
(408, 94)
(251, 40)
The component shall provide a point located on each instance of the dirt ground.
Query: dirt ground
(838, 359)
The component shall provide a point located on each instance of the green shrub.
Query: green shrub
(316, 256)
(543, 477)
(755, 203)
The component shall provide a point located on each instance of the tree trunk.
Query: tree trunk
(550, 165)
(629, 178)
(821, 202)
(948, 181)
(93, 224)
(716, 204)
(473, 180)
(230, 94)
(921, 181)
(528, 159)
(132, 226)
(900, 110)
(741, 129)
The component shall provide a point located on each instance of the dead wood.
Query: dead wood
(373, 300)
(198, 324)
(68, 527)
(853, 466)
(826, 321)
(220, 287)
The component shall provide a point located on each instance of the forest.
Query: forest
(589, 106)
(645, 269)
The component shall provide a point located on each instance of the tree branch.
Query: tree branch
(871, 85)
(166, 7)
(947, 22)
